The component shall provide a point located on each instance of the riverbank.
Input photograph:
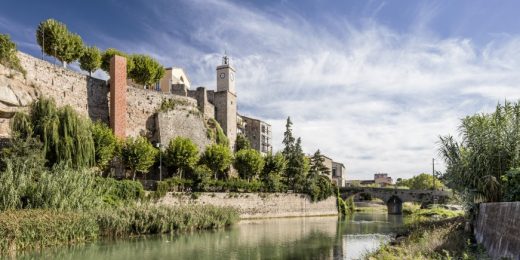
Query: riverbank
(36, 229)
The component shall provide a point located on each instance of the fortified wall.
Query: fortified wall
(90, 97)
(258, 205)
(498, 228)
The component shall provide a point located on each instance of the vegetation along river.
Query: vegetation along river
(282, 238)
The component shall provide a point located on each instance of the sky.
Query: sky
(372, 84)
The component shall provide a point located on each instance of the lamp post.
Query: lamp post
(159, 146)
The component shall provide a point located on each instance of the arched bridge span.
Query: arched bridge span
(394, 198)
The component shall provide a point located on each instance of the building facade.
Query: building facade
(339, 174)
(257, 132)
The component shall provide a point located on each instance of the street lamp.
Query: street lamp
(159, 146)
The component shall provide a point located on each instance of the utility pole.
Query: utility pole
(433, 173)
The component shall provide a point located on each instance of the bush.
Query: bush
(272, 173)
(105, 144)
(511, 184)
(146, 71)
(249, 163)
(118, 192)
(90, 60)
(57, 41)
(8, 53)
(242, 143)
(36, 229)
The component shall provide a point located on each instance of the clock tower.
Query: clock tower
(226, 76)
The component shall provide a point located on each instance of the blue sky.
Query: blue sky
(370, 83)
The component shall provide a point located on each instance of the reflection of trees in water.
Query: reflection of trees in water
(298, 238)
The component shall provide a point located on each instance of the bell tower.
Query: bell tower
(226, 101)
(226, 76)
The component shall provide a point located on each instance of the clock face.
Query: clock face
(222, 75)
(232, 76)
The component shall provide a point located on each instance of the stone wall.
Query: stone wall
(259, 205)
(88, 96)
(183, 121)
(498, 228)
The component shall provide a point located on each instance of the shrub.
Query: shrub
(109, 53)
(138, 154)
(274, 168)
(118, 192)
(8, 53)
(90, 60)
(242, 143)
(105, 144)
(249, 163)
(36, 229)
(217, 158)
(181, 154)
(511, 184)
(146, 71)
(57, 41)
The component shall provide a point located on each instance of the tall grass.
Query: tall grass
(35, 229)
(152, 220)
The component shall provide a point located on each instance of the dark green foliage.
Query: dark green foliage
(8, 53)
(120, 192)
(318, 187)
(317, 165)
(511, 185)
(109, 53)
(249, 163)
(57, 41)
(90, 60)
(21, 125)
(422, 181)
(146, 71)
(65, 135)
(181, 155)
(272, 173)
(36, 229)
(138, 154)
(297, 165)
(105, 143)
(489, 148)
(234, 185)
(242, 143)
(218, 158)
(201, 177)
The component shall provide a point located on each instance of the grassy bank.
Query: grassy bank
(36, 229)
(432, 239)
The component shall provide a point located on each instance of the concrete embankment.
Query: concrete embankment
(498, 228)
(258, 205)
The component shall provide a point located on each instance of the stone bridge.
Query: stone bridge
(394, 198)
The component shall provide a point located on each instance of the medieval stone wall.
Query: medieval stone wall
(259, 205)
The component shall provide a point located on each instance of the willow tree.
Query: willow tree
(489, 148)
(65, 135)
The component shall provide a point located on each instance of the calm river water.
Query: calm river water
(284, 238)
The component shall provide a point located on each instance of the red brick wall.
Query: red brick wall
(118, 96)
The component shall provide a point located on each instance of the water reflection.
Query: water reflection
(288, 238)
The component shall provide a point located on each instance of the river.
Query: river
(283, 238)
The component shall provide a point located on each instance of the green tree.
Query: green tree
(288, 139)
(242, 143)
(317, 164)
(487, 151)
(8, 54)
(90, 60)
(57, 41)
(511, 184)
(249, 163)
(65, 135)
(422, 181)
(146, 71)
(105, 143)
(218, 158)
(297, 166)
(107, 56)
(138, 155)
(272, 173)
(181, 154)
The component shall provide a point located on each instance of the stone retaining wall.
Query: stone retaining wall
(498, 228)
(258, 205)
